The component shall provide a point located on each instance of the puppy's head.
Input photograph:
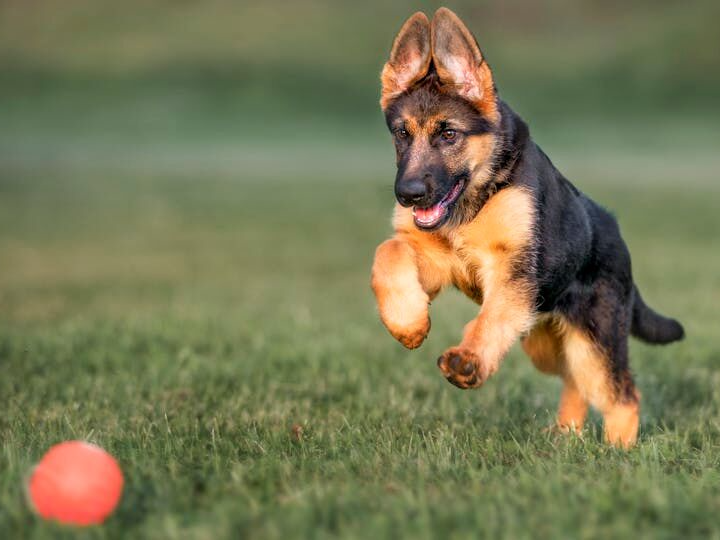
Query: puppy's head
(441, 107)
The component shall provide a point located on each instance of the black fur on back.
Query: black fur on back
(582, 267)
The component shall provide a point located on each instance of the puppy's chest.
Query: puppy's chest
(478, 256)
(471, 263)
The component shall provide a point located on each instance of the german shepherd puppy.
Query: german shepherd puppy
(481, 207)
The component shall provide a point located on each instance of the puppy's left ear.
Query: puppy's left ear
(409, 59)
(460, 63)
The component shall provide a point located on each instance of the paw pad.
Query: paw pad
(461, 368)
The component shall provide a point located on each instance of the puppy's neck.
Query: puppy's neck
(512, 139)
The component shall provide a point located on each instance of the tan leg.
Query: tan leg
(544, 346)
(572, 410)
(589, 369)
(492, 244)
(622, 421)
(506, 313)
(404, 283)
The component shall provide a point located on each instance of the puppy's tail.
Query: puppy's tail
(651, 327)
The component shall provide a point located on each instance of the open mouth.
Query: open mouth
(435, 215)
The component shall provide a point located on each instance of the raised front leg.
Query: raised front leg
(506, 313)
(404, 280)
(498, 245)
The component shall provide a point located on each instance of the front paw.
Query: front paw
(463, 368)
(413, 335)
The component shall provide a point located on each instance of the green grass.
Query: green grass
(187, 320)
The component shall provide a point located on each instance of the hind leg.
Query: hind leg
(544, 346)
(605, 382)
(573, 408)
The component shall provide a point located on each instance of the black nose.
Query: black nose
(410, 192)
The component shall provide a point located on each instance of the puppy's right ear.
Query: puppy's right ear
(409, 59)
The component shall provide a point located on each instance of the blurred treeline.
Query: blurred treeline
(320, 58)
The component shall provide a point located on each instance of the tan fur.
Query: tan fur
(559, 348)
(622, 424)
(507, 220)
(481, 245)
(480, 148)
(402, 301)
(478, 258)
(572, 409)
(478, 255)
(409, 58)
(544, 347)
(413, 126)
(460, 63)
(589, 369)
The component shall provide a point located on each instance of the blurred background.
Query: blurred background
(120, 122)
(257, 85)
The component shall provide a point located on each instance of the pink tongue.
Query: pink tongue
(429, 215)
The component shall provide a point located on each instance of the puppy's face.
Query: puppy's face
(442, 142)
(440, 106)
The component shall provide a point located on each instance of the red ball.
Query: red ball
(76, 483)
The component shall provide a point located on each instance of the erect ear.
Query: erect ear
(460, 63)
(409, 59)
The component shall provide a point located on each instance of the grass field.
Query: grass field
(187, 304)
(190, 198)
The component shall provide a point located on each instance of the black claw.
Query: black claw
(439, 362)
(472, 381)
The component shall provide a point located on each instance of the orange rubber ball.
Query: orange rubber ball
(76, 483)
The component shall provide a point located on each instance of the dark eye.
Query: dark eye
(448, 135)
(401, 133)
